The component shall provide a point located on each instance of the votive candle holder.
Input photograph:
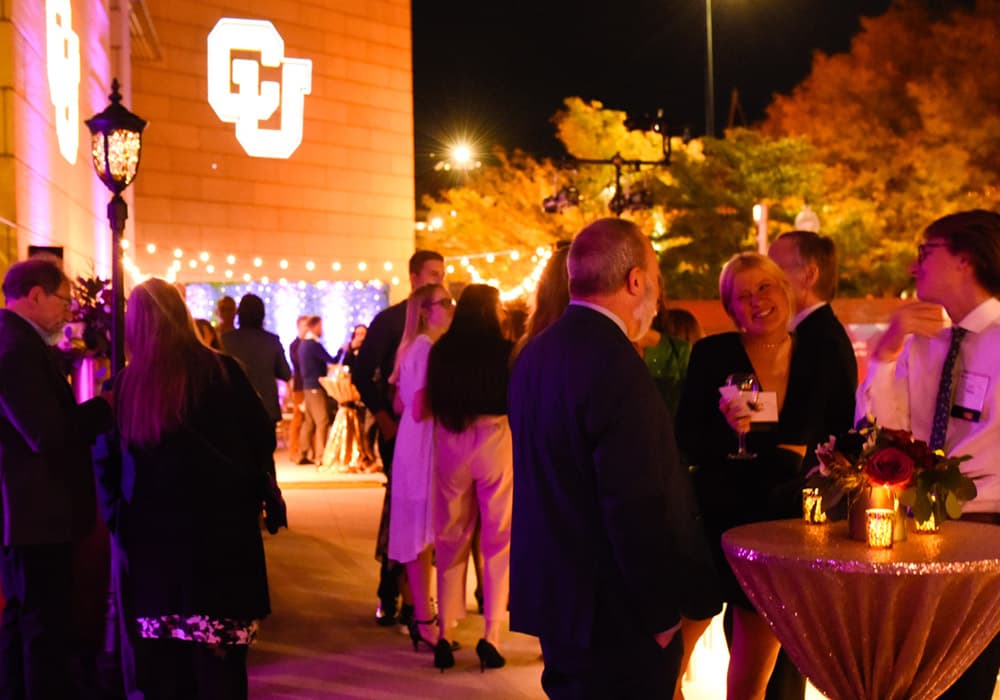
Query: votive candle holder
(880, 523)
(812, 506)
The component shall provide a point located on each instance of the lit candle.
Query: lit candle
(880, 525)
(812, 506)
(931, 524)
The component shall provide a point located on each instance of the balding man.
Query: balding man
(607, 550)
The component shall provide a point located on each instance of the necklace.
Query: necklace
(769, 346)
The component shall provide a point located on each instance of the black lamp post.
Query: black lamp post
(116, 143)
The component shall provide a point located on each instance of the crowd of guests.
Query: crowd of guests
(587, 466)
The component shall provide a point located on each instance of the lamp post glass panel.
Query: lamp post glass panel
(116, 144)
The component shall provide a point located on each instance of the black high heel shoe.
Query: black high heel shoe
(444, 657)
(414, 627)
(488, 655)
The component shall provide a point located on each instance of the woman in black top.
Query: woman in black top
(756, 295)
(467, 376)
(181, 484)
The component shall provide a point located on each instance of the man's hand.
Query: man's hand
(920, 317)
(386, 425)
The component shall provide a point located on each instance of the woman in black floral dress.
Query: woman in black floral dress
(181, 485)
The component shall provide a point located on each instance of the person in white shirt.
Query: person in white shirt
(957, 268)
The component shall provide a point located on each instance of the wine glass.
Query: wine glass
(749, 389)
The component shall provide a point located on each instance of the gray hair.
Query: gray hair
(602, 255)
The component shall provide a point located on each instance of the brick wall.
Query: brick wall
(345, 195)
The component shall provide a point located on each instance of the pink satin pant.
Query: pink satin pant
(473, 473)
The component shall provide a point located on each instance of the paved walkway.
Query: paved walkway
(321, 640)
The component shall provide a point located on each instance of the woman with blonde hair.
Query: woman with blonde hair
(732, 488)
(411, 533)
(181, 485)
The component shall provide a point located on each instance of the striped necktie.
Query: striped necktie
(942, 406)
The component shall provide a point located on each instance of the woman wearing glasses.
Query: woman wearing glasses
(411, 534)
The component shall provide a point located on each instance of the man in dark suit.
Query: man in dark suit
(810, 262)
(370, 372)
(607, 549)
(260, 353)
(47, 495)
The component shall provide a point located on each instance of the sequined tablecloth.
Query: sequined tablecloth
(873, 624)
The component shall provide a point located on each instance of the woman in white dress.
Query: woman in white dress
(411, 531)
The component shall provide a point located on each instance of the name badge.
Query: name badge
(765, 408)
(970, 396)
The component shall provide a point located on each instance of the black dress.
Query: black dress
(736, 492)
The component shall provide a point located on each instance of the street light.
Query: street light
(116, 143)
(709, 73)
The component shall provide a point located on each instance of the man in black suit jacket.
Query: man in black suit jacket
(47, 497)
(370, 373)
(810, 262)
(260, 353)
(607, 549)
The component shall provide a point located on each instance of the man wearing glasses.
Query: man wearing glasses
(47, 498)
(940, 380)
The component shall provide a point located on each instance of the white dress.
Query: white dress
(410, 526)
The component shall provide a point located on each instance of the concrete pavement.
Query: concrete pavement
(321, 640)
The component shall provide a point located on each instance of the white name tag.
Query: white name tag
(765, 409)
(970, 396)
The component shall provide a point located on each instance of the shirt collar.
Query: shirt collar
(802, 315)
(601, 310)
(38, 329)
(982, 316)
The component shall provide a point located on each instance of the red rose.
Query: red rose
(889, 466)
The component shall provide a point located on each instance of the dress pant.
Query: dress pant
(388, 576)
(35, 628)
(979, 680)
(619, 664)
(316, 421)
(473, 475)
(295, 426)
(173, 669)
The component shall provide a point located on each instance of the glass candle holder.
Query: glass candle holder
(812, 506)
(880, 525)
(933, 522)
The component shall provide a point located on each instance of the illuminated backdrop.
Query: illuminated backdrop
(341, 305)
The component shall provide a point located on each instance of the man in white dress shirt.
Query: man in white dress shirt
(958, 268)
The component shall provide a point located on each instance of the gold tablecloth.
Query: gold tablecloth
(873, 624)
(347, 447)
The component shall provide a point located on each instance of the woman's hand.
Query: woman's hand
(736, 412)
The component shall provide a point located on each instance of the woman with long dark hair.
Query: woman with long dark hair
(182, 486)
(467, 381)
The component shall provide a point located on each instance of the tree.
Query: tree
(701, 204)
(907, 125)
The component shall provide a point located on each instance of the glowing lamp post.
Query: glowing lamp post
(116, 142)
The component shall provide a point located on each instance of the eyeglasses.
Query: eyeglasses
(923, 250)
(68, 301)
(445, 303)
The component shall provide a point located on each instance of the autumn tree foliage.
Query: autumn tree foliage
(701, 203)
(907, 128)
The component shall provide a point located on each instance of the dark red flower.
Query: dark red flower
(889, 466)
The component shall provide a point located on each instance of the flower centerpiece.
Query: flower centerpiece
(92, 317)
(88, 336)
(871, 456)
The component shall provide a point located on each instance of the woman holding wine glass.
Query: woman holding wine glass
(751, 406)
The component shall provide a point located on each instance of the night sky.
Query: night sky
(499, 70)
